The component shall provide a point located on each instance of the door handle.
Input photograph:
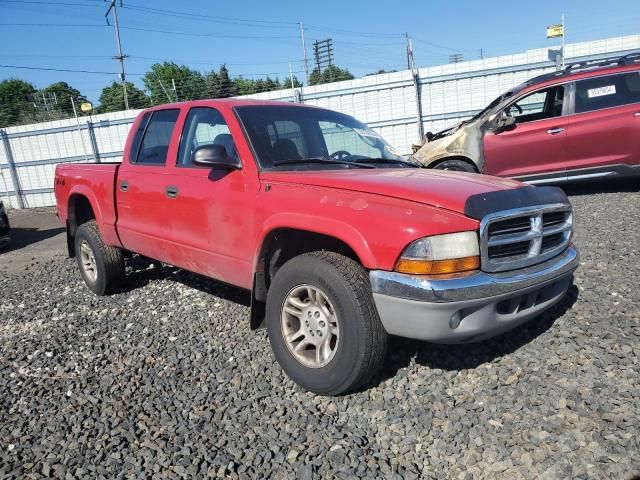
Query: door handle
(124, 186)
(637, 114)
(171, 191)
(555, 130)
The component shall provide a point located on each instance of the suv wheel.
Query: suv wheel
(323, 324)
(101, 266)
(456, 166)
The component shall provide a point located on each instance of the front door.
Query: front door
(211, 210)
(537, 143)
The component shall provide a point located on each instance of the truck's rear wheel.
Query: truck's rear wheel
(323, 324)
(101, 266)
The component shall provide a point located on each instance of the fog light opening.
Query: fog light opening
(454, 321)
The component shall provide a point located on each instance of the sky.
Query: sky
(256, 38)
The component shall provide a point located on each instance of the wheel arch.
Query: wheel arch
(80, 210)
(282, 243)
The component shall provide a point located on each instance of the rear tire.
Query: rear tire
(101, 266)
(456, 166)
(340, 317)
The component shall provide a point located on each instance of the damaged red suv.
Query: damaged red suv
(579, 123)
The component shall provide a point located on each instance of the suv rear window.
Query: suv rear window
(157, 137)
(608, 91)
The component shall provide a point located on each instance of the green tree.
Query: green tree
(330, 74)
(287, 83)
(112, 98)
(244, 86)
(16, 106)
(226, 86)
(190, 84)
(382, 70)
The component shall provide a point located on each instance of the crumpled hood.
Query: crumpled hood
(438, 188)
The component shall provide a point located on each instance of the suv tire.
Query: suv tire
(456, 166)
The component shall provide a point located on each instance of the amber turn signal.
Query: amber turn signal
(437, 267)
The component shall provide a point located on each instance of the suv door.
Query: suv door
(140, 186)
(536, 143)
(604, 128)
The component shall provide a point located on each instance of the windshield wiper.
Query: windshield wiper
(386, 160)
(327, 160)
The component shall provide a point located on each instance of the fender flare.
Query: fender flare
(321, 225)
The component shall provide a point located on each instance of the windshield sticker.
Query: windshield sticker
(366, 133)
(601, 91)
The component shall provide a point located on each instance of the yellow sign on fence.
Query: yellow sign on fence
(555, 31)
(86, 107)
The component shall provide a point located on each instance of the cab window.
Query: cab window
(157, 136)
(607, 92)
(204, 126)
(538, 105)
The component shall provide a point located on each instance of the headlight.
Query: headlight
(441, 254)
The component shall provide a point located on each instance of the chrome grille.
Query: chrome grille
(524, 236)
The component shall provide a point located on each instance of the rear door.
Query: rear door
(604, 129)
(141, 183)
(537, 144)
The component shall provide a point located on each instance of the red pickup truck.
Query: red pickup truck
(340, 240)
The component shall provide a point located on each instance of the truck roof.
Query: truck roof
(227, 102)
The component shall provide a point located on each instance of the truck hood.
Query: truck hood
(438, 188)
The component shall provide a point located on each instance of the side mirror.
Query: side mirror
(503, 122)
(214, 156)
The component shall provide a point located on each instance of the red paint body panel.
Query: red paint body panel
(529, 148)
(604, 137)
(216, 226)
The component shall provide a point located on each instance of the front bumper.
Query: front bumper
(472, 308)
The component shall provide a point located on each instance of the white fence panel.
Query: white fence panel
(387, 102)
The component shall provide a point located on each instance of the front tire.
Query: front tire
(101, 266)
(323, 325)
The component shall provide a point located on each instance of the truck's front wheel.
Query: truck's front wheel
(101, 266)
(323, 324)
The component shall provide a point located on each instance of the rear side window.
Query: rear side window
(157, 136)
(137, 138)
(607, 92)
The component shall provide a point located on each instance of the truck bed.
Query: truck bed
(96, 181)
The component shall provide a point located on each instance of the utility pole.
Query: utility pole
(120, 57)
(415, 74)
(304, 51)
(564, 32)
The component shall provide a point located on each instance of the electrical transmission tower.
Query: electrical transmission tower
(455, 58)
(323, 54)
(44, 102)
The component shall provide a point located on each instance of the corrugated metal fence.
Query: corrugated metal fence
(387, 102)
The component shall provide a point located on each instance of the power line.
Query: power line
(191, 34)
(24, 67)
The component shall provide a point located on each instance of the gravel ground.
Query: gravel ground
(166, 380)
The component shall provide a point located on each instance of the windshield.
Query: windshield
(304, 138)
(497, 102)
